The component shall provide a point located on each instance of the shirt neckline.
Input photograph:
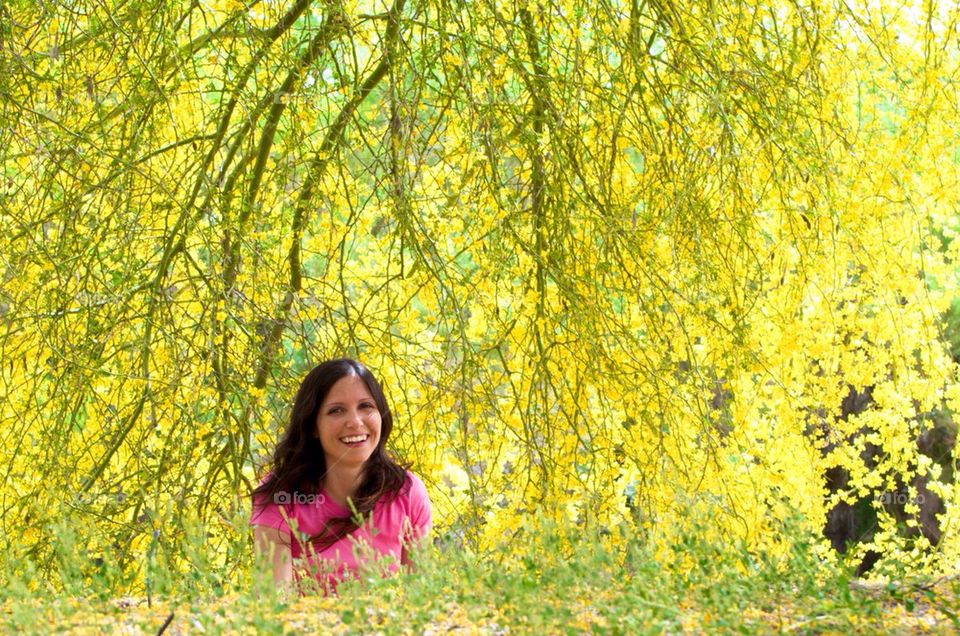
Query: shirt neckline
(329, 501)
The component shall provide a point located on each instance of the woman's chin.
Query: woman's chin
(350, 459)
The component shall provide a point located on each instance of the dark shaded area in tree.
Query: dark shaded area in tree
(851, 524)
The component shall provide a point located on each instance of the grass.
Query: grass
(547, 588)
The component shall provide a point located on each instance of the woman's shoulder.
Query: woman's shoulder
(408, 498)
(410, 488)
(265, 481)
(417, 502)
(413, 486)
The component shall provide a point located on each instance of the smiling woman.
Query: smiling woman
(335, 502)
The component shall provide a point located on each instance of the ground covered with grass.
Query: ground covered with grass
(389, 611)
(549, 588)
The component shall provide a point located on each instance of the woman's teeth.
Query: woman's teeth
(354, 439)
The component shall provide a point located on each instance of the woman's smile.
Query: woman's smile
(355, 440)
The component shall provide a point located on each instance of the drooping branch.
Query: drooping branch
(188, 216)
(538, 178)
(332, 27)
(318, 166)
(174, 244)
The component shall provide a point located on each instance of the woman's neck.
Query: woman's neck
(342, 483)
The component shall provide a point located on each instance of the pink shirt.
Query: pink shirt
(396, 522)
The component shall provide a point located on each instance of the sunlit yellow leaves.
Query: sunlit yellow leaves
(653, 266)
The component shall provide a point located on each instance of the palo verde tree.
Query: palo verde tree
(616, 262)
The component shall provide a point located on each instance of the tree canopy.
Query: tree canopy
(619, 263)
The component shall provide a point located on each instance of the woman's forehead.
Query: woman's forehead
(348, 387)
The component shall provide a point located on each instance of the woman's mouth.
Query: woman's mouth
(354, 440)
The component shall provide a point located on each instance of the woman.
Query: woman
(335, 502)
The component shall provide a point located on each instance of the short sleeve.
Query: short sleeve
(420, 514)
(267, 513)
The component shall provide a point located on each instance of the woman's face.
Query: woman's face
(348, 424)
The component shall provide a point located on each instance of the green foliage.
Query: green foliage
(564, 582)
(951, 330)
